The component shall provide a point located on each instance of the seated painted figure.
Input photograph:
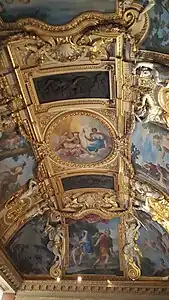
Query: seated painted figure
(97, 141)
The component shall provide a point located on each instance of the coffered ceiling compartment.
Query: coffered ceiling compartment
(83, 147)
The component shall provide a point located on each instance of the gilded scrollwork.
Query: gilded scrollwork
(78, 202)
(163, 99)
(130, 4)
(19, 204)
(49, 49)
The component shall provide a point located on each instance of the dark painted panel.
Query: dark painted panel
(88, 181)
(72, 86)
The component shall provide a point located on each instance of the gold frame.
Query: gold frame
(52, 125)
(69, 69)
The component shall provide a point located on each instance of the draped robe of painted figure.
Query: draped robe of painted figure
(95, 141)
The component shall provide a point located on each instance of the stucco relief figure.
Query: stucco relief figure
(146, 193)
(56, 236)
(152, 202)
(131, 250)
(153, 71)
(150, 109)
(32, 188)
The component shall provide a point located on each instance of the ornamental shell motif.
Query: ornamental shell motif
(65, 52)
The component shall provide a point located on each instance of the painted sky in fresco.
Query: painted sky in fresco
(152, 160)
(158, 36)
(154, 244)
(28, 248)
(54, 12)
(57, 12)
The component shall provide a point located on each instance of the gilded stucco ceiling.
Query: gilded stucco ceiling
(84, 142)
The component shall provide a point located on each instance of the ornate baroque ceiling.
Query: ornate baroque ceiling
(84, 143)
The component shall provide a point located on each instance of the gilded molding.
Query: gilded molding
(104, 204)
(157, 57)
(8, 272)
(96, 287)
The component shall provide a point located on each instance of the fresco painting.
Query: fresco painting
(157, 37)
(94, 246)
(150, 154)
(54, 12)
(154, 245)
(88, 181)
(17, 162)
(76, 85)
(28, 249)
(58, 12)
(81, 139)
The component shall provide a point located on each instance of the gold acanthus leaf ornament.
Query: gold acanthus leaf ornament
(49, 49)
(101, 201)
(152, 202)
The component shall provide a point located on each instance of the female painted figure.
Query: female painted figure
(86, 245)
(96, 139)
